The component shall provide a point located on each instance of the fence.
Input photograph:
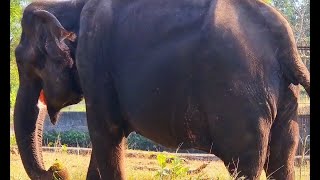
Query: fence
(304, 52)
(304, 107)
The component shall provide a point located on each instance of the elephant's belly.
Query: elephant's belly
(164, 103)
(170, 108)
(172, 124)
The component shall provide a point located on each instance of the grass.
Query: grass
(137, 167)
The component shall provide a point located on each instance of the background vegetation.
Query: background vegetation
(15, 31)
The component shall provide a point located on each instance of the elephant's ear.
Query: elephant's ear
(55, 42)
(55, 27)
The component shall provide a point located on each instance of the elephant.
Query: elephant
(220, 76)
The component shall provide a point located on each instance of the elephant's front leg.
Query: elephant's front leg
(105, 124)
(108, 147)
(102, 107)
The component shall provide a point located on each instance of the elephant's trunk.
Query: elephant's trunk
(28, 126)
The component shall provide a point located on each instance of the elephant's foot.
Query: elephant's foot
(247, 169)
(93, 171)
(246, 159)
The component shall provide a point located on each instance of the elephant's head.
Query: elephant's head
(45, 58)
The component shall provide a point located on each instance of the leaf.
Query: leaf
(162, 160)
(64, 148)
(57, 166)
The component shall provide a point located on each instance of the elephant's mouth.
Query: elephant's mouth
(53, 111)
(53, 114)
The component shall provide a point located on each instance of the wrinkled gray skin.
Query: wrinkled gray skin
(216, 75)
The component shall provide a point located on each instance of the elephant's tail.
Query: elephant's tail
(286, 48)
(294, 69)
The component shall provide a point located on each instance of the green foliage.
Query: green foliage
(64, 148)
(15, 32)
(170, 167)
(16, 10)
(68, 138)
(82, 139)
(138, 142)
(14, 82)
(297, 12)
(15, 17)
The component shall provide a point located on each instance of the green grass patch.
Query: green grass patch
(140, 168)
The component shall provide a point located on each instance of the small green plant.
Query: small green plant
(171, 167)
(59, 172)
(64, 148)
(138, 142)
(50, 144)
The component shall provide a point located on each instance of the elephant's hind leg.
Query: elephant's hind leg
(246, 157)
(284, 140)
(106, 135)
(104, 118)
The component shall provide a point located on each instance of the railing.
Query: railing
(305, 55)
(304, 107)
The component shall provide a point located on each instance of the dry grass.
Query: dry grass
(142, 166)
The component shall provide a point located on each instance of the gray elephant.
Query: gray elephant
(215, 75)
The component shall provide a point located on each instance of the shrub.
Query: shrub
(138, 142)
(82, 139)
(70, 138)
(170, 167)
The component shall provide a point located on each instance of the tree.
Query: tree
(15, 32)
(297, 12)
